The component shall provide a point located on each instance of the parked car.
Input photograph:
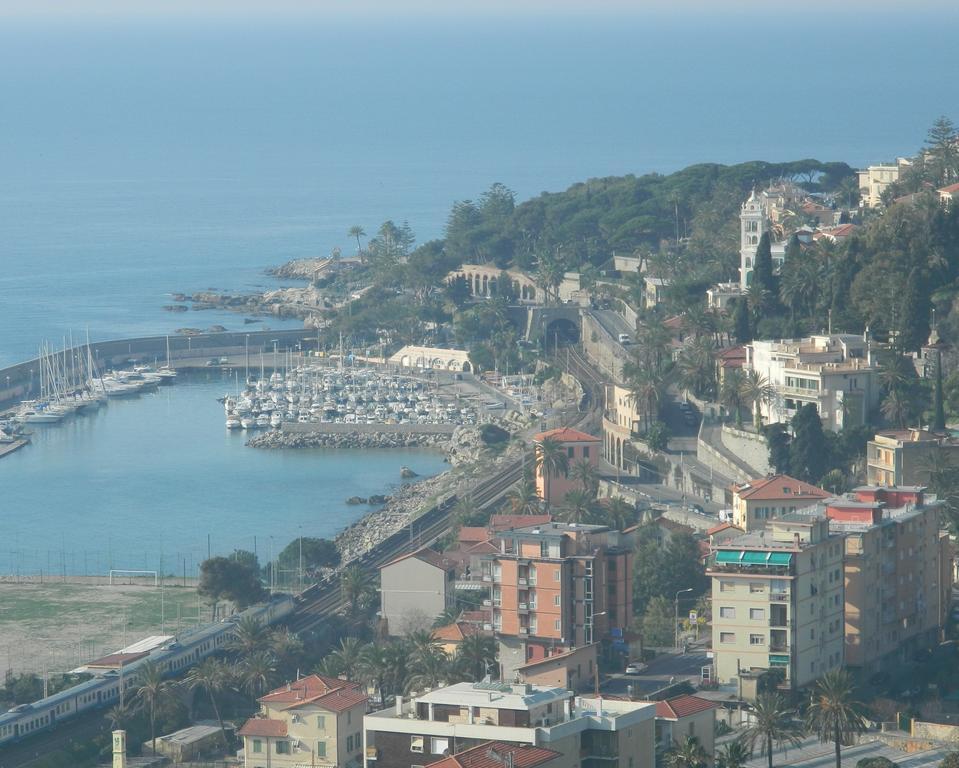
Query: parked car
(636, 668)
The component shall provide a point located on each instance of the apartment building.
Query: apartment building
(875, 179)
(498, 754)
(898, 571)
(588, 733)
(758, 501)
(315, 721)
(906, 456)
(777, 603)
(552, 487)
(415, 589)
(836, 373)
(559, 585)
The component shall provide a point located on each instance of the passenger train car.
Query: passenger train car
(184, 651)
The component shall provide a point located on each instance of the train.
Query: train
(104, 690)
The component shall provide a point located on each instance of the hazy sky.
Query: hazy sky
(431, 7)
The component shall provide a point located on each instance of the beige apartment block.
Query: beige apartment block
(906, 456)
(777, 603)
(875, 179)
(415, 589)
(758, 501)
(898, 570)
(315, 721)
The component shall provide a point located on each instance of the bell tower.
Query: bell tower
(752, 225)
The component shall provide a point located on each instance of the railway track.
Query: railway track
(324, 599)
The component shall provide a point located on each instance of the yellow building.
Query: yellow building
(905, 456)
(777, 604)
(758, 501)
(316, 721)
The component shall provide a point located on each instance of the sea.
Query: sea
(143, 156)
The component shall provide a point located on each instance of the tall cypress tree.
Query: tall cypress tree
(808, 450)
(939, 412)
(763, 267)
(741, 326)
(913, 326)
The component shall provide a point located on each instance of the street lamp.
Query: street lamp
(676, 617)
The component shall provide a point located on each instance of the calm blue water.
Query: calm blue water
(143, 158)
(151, 477)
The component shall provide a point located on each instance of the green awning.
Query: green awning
(780, 558)
(755, 558)
(778, 660)
(728, 556)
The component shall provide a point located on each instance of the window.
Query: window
(727, 613)
(439, 746)
(257, 745)
(757, 614)
(349, 717)
(283, 748)
(321, 722)
(570, 451)
(757, 586)
(727, 637)
(349, 743)
(556, 574)
(321, 749)
(416, 744)
(727, 586)
(757, 639)
(585, 451)
(555, 599)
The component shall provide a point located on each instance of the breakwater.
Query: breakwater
(22, 381)
(356, 436)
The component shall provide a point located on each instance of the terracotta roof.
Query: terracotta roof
(779, 487)
(951, 189)
(731, 352)
(566, 435)
(682, 706)
(331, 693)
(471, 534)
(116, 660)
(474, 617)
(483, 548)
(427, 555)
(492, 754)
(720, 528)
(457, 631)
(672, 525)
(553, 657)
(258, 726)
(507, 522)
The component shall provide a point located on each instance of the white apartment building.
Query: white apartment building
(835, 372)
(777, 603)
(875, 179)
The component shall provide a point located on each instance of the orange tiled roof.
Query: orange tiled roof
(492, 754)
(427, 555)
(457, 631)
(258, 726)
(779, 487)
(566, 435)
(472, 534)
(682, 706)
(507, 522)
(328, 692)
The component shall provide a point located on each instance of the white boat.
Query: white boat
(263, 420)
(276, 420)
(247, 423)
(233, 423)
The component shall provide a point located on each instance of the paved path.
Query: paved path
(812, 753)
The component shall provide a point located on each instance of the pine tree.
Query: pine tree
(941, 154)
(913, 327)
(741, 325)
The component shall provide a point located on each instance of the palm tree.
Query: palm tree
(731, 393)
(895, 407)
(357, 589)
(212, 676)
(586, 475)
(474, 656)
(428, 665)
(618, 513)
(249, 636)
(118, 715)
(688, 754)
(757, 392)
(256, 672)
(374, 666)
(153, 692)
(523, 498)
(577, 507)
(772, 723)
(697, 367)
(286, 648)
(356, 231)
(645, 390)
(447, 617)
(733, 754)
(347, 657)
(833, 714)
(551, 460)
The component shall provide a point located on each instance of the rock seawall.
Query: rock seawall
(278, 439)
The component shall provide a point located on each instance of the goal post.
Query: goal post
(135, 574)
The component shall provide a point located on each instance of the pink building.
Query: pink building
(553, 486)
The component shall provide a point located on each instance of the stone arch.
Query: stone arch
(421, 362)
(485, 285)
(405, 361)
(522, 293)
(619, 452)
(530, 293)
(436, 363)
(492, 286)
(562, 331)
(467, 367)
(476, 286)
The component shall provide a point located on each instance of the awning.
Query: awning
(745, 557)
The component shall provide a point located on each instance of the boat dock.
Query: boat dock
(7, 448)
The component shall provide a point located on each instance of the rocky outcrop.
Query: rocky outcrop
(298, 269)
(278, 439)
(407, 474)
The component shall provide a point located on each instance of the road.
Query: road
(812, 753)
(614, 324)
(663, 671)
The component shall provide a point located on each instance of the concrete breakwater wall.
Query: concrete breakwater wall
(356, 436)
(22, 381)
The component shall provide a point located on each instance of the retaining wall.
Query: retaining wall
(369, 429)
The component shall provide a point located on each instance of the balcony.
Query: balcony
(779, 647)
(487, 603)
(523, 631)
(522, 607)
(487, 577)
(779, 597)
(522, 581)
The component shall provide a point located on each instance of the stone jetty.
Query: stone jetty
(352, 439)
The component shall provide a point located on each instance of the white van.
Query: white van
(624, 338)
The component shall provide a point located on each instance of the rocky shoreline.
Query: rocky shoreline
(277, 439)
(298, 269)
